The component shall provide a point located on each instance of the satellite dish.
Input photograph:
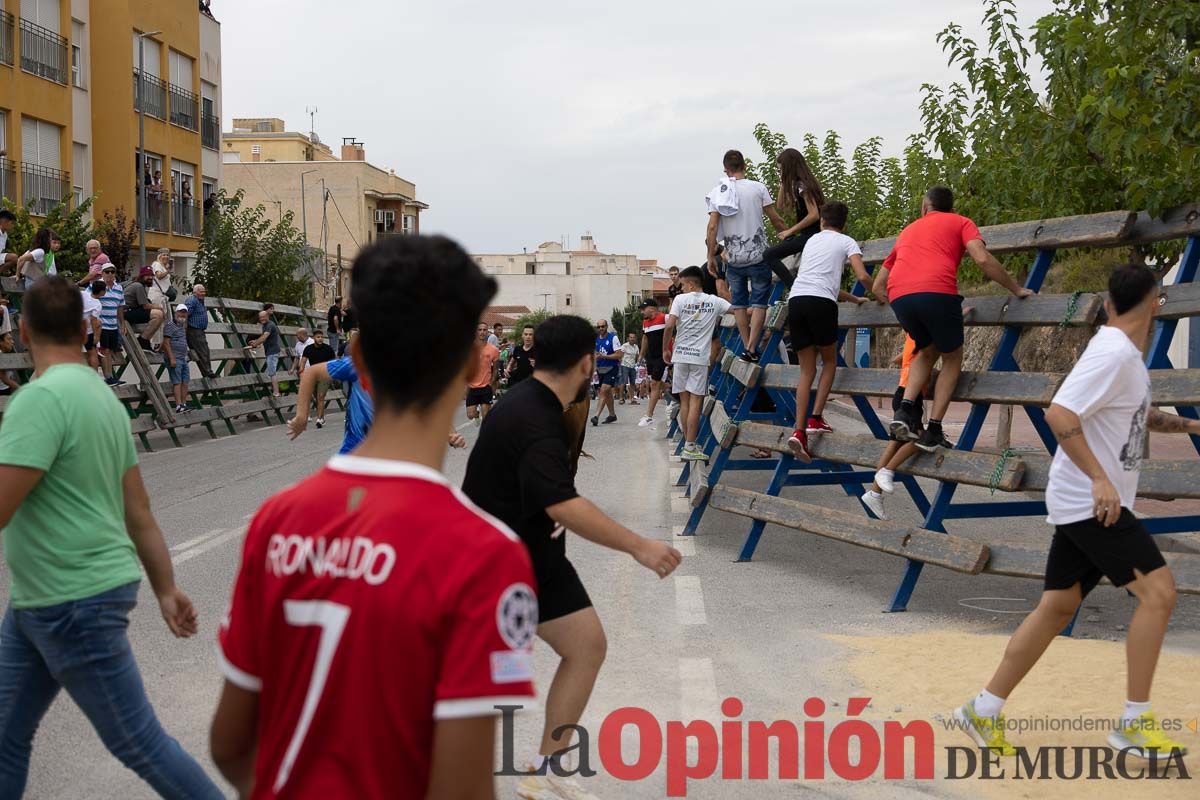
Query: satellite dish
(313, 136)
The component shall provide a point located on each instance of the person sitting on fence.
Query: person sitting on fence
(693, 316)
(799, 191)
(140, 311)
(176, 355)
(8, 377)
(1100, 415)
(318, 352)
(38, 262)
(921, 277)
(270, 340)
(96, 261)
(91, 320)
(7, 220)
(6, 319)
(112, 312)
(813, 317)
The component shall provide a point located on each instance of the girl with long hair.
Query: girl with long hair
(38, 262)
(800, 191)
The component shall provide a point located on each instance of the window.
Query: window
(46, 13)
(410, 223)
(208, 186)
(255, 149)
(79, 172)
(77, 58)
(568, 299)
(153, 56)
(385, 220)
(41, 143)
(180, 70)
(44, 184)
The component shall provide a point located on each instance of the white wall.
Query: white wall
(592, 296)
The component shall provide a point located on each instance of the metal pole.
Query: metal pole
(303, 210)
(142, 151)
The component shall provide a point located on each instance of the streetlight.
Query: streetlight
(303, 208)
(141, 165)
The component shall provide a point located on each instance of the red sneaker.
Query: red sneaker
(798, 443)
(817, 425)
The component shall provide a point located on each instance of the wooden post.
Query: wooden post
(146, 377)
(1004, 428)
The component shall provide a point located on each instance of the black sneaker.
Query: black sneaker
(748, 357)
(595, 420)
(905, 425)
(113, 381)
(930, 440)
(145, 344)
(946, 443)
(611, 418)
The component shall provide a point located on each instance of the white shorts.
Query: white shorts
(690, 378)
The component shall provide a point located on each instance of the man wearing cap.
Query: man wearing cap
(140, 311)
(112, 311)
(176, 355)
(197, 325)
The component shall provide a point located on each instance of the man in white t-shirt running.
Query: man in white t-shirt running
(813, 317)
(745, 241)
(1100, 415)
(693, 316)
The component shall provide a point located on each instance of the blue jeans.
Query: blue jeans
(628, 376)
(749, 285)
(181, 372)
(81, 646)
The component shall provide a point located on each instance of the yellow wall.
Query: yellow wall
(22, 94)
(274, 148)
(114, 120)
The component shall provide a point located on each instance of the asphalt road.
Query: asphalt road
(677, 647)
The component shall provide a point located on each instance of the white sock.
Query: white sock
(875, 494)
(1133, 710)
(988, 704)
(689, 446)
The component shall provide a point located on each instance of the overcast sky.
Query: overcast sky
(529, 120)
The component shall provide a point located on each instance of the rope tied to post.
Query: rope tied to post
(998, 472)
(1072, 307)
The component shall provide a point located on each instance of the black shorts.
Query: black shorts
(559, 589)
(1083, 552)
(137, 316)
(90, 344)
(812, 321)
(480, 397)
(655, 367)
(110, 339)
(931, 318)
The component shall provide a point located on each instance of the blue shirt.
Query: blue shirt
(197, 313)
(110, 304)
(176, 334)
(360, 411)
(607, 345)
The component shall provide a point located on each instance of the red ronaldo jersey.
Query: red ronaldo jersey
(373, 599)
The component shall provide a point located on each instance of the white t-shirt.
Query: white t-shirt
(696, 314)
(91, 307)
(3, 242)
(742, 233)
(825, 255)
(1109, 389)
(631, 355)
(299, 348)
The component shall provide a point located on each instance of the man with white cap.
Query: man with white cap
(176, 355)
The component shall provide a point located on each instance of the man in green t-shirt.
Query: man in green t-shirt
(77, 520)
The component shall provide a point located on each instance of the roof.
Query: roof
(508, 309)
(662, 284)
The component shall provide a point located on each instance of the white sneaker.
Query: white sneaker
(551, 787)
(646, 422)
(886, 479)
(875, 503)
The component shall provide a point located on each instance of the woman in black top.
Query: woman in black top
(799, 191)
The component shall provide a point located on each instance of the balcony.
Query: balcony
(6, 38)
(8, 180)
(44, 53)
(44, 187)
(210, 131)
(185, 217)
(157, 212)
(154, 93)
(184, 108)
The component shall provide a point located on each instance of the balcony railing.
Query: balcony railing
(43, 53)
(154, 94)
(44, 187)
(184, 108)
(210, 131)
(6, 38)
(8, 180)
(157, 212)
(185, 217)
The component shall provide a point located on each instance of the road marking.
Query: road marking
(179, 548)
(686, 546)
(698, 698)
(689, 601)
(210, 541)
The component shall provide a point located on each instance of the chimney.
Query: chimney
(352, 149)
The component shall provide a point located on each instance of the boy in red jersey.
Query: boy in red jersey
(920, 276)
(379, 617)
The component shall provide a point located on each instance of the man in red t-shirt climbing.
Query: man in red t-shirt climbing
(921, 277)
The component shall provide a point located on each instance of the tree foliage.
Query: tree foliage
(118, 235)
(244, 255)
(533, 318)
(73, 226)
(627, 320)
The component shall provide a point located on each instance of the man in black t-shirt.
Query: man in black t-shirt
(676, 287)
(520, 471)
(521, 362)
(317, 353)
(333, 321)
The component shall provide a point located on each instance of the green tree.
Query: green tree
(118, 234)
(244, 255)
(73, 226)
(627, 320)
(533, 318)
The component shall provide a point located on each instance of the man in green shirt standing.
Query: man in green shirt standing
(77, 520)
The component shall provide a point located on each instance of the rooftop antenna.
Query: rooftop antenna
(312, 118)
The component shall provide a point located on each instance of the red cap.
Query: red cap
(145, 272)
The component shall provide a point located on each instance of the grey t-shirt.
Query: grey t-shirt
(271, 345)
(136, 295)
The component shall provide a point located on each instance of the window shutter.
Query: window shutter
(50, 145)
(29, 141)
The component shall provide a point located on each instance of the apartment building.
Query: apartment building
(69, 85)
